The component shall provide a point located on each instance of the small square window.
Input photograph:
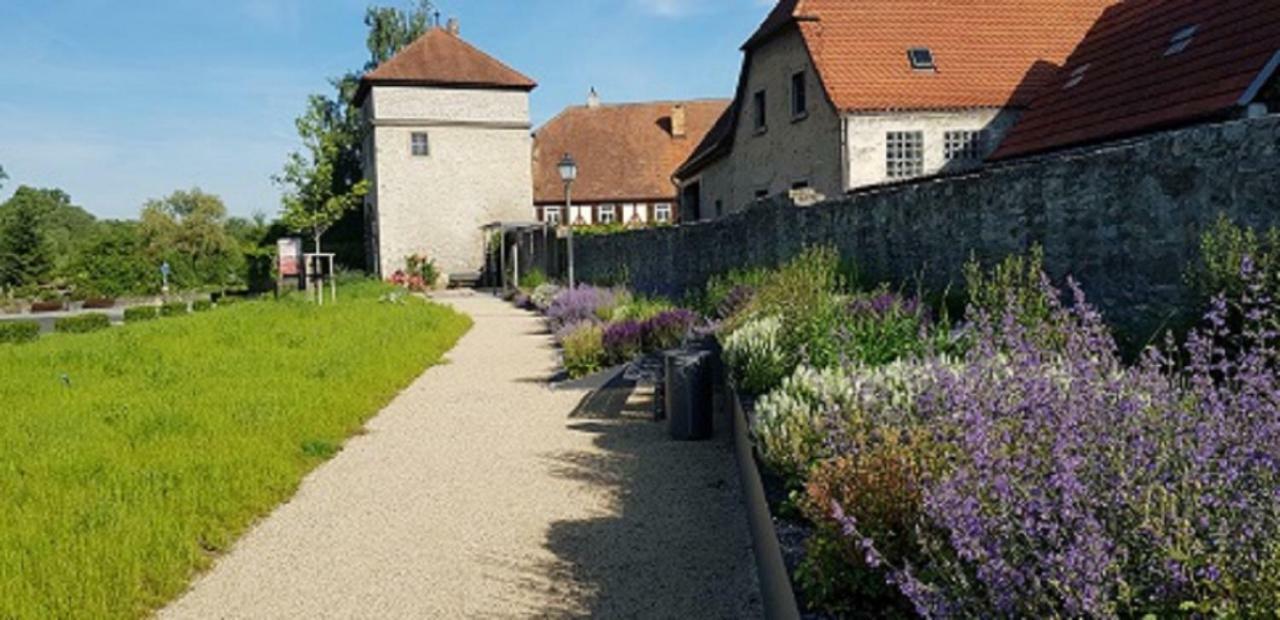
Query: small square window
(662, 212)
(800, 185)
(552, 216)
(608, 214)
(420, 145)
(965, 146)
(921, 59)
(759, 112)
(904, 154)
(1181, 40)
(799, 96)
(1077, 76)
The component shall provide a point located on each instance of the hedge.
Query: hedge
(82, 324)
(17, 332)
(201, 305)
(141, 313)
(174, 308)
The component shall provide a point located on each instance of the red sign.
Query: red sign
(290, 256)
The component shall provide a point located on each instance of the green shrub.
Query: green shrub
(1015, 282)
(139, 314)
(639, 308)
(755, 356)
(533, 279)
(17, 332)
(82, 324)
(174, 308)
(583, 349)
(1223, 249)
(725, 292)
(201, 305)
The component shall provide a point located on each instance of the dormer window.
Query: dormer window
(1077, 76)
(1181, 40)
(921, 59)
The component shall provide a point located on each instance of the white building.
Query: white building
(836, 95)
(448, 150)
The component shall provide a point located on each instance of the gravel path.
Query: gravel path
(477, 493)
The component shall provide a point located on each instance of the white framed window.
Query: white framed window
(965, 146)
(904, 154)
(420, 144)
(608, 214)
(662, 212)
(552, 215)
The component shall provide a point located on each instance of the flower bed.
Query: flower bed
(1016, 467)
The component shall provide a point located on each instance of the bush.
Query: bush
(201, 305)
(543, 295)
(82, 324)
(623, 341)
(174, 308)
(1224, 249)
(532, 280)
(583, 349)
(423, 275)
(755, 357)
(727, 294)
(138, 314)
(668, 329)
(18, 332)
(585, 303)
(636, 308)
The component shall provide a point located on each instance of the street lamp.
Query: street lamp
(568, 174)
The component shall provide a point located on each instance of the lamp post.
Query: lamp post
(569, 173)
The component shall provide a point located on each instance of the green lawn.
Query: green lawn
(129, 458)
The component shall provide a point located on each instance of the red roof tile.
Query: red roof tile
(624, 152)
(441, 58)
(1130, 85)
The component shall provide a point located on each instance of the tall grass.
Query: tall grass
(130, 457)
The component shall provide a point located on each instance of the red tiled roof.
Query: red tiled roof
(1131, 85)
(624, 151)
(989, 53)
(441, 58)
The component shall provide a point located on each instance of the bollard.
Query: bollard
(688, 394)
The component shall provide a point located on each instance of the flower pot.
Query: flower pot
(47, 306)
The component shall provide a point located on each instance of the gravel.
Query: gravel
(475, 494)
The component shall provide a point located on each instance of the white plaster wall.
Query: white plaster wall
(453, 104)
(475, 174)
(866, 137)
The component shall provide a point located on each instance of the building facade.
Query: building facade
(626, 155)
(834, 97)
(447, 151)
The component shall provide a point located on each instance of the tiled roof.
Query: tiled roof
(624, 151)
(441, 58)
(1128, 82)
(989, 53)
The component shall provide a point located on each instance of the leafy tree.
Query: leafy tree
(114, 262)
(324, 182)
(25, 258)
(188, 229)
(4, 176)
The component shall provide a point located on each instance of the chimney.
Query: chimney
(678, 121)
(593, 98)
(454, 27)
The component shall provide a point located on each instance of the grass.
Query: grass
(130, 457)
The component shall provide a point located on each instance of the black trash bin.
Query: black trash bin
(688, 394)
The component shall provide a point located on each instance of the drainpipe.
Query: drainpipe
(844, 153)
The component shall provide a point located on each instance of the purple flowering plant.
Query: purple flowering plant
(668, 329)
(623, 341)
(583, 303)
(1077, 486)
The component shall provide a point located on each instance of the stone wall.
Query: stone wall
(1125, 220)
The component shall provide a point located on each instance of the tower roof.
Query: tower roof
(441, 58)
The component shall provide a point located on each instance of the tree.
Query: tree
(114, 262)
(325, 180)
(4, 176)
(25, 258)
(188, 230)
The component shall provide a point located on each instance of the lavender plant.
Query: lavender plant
(623, 341)
(584, 303)
(668, 329)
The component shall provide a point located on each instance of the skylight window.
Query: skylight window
(921, 59)
(1077, 76)
(1181, 40)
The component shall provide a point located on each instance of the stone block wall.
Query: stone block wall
(1125, 220)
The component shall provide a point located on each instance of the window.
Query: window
(965, 146)
(799, 96)
(1077, 76)
(762, 193)
(719, 208)
(552, 216)
(921, 59)
(904, 154)
(608, 214)
(800, 185)
(662, 212)
(419, 144)
(758, 109)
(1181, 40)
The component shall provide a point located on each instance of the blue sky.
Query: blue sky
(117, 102)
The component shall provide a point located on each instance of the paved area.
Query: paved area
(480, 492)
